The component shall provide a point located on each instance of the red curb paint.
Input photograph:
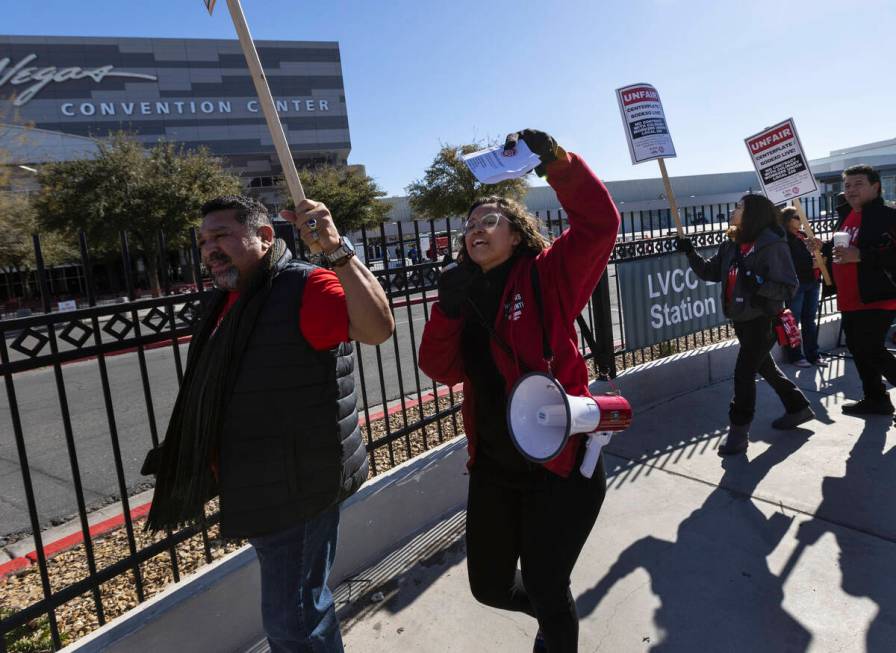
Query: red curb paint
(409, 403)
(13, 566)
(73, 540)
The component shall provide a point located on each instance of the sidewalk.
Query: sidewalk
(791, 548)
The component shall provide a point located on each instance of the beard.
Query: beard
(227, 279)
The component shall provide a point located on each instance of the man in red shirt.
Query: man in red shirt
(865, 275)
(266, 416)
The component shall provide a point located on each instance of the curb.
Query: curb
(101, 528)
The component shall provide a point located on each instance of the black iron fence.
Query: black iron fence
(91, 423)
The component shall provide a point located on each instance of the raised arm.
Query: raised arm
(708, 269)
(576, 260)
(369, 318)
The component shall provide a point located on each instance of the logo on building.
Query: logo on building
(35, 78)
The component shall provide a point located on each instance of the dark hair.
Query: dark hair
(249, 212)
(758, 214)
(872, 175)
(520, 220)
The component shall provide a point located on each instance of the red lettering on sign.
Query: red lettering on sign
(639, 94)
(769, 139)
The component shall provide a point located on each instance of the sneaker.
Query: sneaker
(802, 363)
(539, 646)
(790, 421)
(869, 407)
(821, 361)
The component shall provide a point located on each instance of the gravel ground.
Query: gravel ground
(79, 616)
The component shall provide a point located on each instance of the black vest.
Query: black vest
(290, 444)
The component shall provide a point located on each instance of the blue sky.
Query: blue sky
(418, 74)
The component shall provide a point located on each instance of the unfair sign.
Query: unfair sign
(264, 99)
(647, 134)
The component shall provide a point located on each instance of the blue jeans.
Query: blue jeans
(296, 603)
(804, 307)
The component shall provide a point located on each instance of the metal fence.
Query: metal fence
(403, 411)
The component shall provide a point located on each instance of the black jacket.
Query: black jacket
(877, 245)
(290, 446)
(802, 259)
(765, 278)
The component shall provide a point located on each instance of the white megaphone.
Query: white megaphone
(541, 417)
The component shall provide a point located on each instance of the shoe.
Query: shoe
(802, 363)
(821, 361)
(539, 646)
(869, 407)
(790, 421)
(735, 441)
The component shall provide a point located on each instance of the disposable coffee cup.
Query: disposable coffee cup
(841, 239)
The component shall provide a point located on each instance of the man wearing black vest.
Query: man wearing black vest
(865, 275)
(266, 415)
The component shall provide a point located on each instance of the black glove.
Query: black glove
(541, 144)
(454, 286)
(684, 245)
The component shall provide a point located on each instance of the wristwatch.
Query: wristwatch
(342, 254)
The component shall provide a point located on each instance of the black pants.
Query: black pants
(865, 333)
(542, 521)
(756, 339)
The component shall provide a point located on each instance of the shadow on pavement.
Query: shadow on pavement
(867, 495)
(715, 589)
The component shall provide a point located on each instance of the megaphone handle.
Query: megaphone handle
(593, 446)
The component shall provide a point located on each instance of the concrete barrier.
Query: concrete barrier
(217, 610)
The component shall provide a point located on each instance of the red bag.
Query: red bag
(788, 330)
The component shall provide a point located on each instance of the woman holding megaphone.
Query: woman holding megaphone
(757, 276)
(509, 298)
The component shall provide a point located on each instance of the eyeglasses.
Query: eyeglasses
(488, 222)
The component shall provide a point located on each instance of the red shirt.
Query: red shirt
(745, 249)
(846, 275)
(323, 318)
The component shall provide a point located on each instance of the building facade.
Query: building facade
(190, 91)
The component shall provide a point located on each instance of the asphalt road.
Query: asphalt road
(49, 461)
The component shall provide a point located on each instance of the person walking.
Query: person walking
(756, 277)
(266, 415)
(804, 304)
(865, 275)
(509, 294)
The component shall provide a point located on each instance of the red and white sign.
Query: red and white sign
(780, 162)
(645, 123)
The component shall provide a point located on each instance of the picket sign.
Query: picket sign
(648, 134)
(265, 100)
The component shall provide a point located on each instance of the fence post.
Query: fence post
(604, 357)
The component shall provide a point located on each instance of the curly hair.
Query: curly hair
(520, 220)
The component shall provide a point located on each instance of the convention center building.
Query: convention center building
(58, 92)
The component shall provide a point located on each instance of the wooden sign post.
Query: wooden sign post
(648, 135)
(265, 100)
(670, 196)
(807, 228)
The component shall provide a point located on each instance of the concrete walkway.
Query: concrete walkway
(790, 548)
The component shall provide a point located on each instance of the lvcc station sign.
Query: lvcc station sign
(663, 299)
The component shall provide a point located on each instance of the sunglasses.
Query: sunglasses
(487, 222)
